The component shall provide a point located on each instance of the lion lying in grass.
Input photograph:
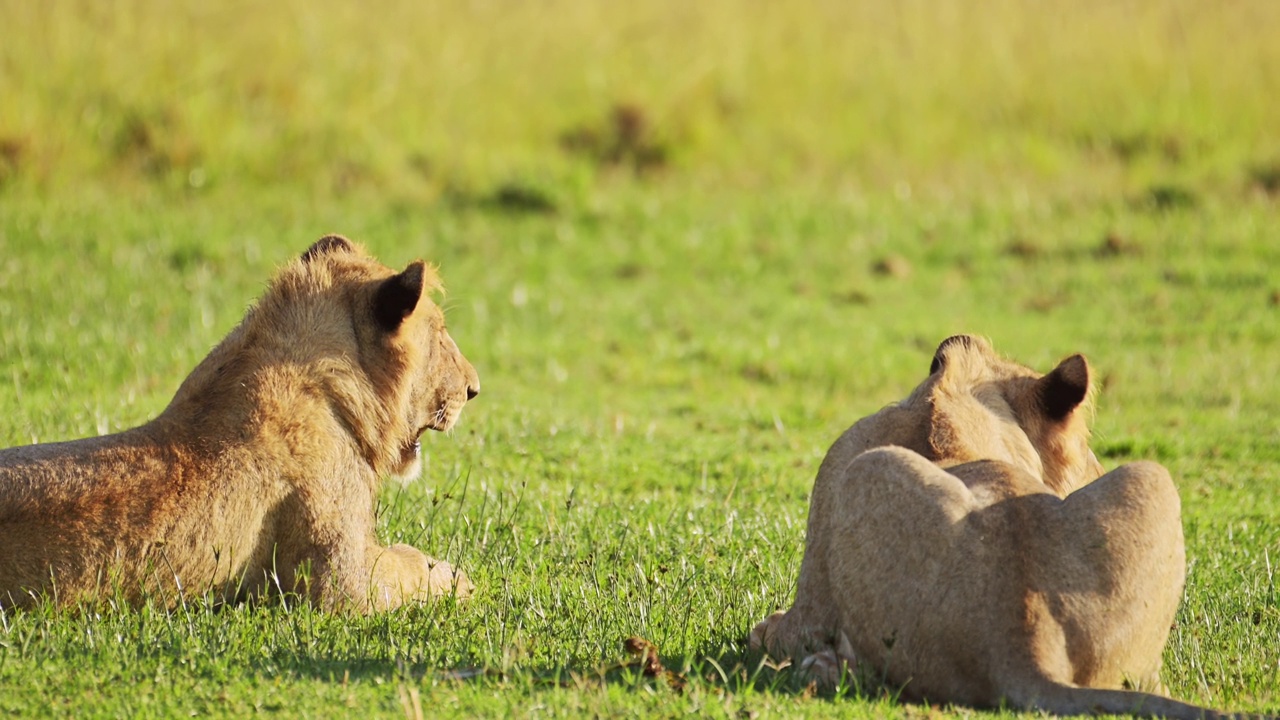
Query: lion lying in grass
(262, 472)
(966, 545)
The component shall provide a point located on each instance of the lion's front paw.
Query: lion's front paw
(759, 639)
(445, 579)
(403, 573)
(828, 667)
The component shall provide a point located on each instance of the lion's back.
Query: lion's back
(68, 508)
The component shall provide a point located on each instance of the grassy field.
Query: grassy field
(685, 246)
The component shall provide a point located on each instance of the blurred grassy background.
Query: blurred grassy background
(430, 98)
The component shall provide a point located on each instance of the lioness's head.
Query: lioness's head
(976, 405)
(361, 340)
(983, 406)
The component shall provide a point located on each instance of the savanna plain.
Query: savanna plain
(685, 245)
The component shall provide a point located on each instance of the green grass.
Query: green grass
(670, 326)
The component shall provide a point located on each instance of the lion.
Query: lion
(965, 545)
(262, 473)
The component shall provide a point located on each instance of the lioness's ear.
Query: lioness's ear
(1063, 389)
(398, 295)
(940, 355)
(326, 245)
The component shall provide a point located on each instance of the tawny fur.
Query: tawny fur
(263, 471)
(966, 546)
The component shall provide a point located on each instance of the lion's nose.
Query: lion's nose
(472, 392)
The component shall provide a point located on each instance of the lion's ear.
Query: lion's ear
(1062, 390)
(326, 245)
(950, 345)
(398, 295)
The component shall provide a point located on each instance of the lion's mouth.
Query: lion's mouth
(410, 451)
(410, 466)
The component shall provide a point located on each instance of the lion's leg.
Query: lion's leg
(320, 573)
(336, 559)
(808, 627)
(887, 510)
(893, 527)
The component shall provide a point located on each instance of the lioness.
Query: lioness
(262, 472)
(966, 544)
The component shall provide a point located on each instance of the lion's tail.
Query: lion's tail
(1068, 700)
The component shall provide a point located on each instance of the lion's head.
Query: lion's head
(404, 347)
(355, 336)
(976, 405)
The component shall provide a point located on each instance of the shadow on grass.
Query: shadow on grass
(725, 668)
(415, 647)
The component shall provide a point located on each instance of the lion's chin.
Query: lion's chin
(446, 415)
(445, 421)
(410, 468)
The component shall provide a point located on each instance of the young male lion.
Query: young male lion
(966, 545)
(263, 470)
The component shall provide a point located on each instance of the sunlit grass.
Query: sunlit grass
(685, 244)
(661, 381)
